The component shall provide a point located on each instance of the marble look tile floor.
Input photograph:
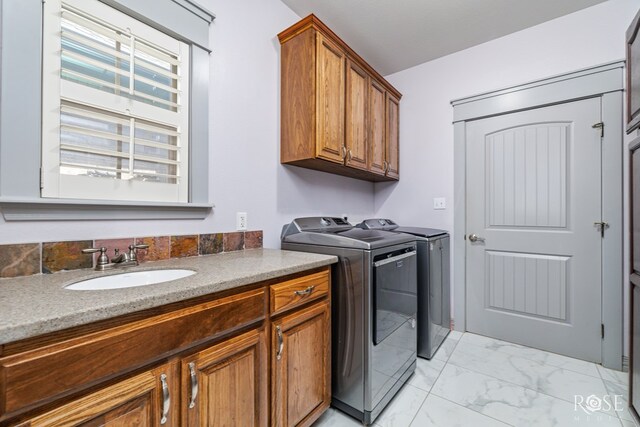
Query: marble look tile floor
(477, 381)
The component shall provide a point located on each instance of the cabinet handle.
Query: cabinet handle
(349, 156)
(305, 292)
(344, 152)
(166, 399)
(385, 166)
(280, 343)
(194, 385)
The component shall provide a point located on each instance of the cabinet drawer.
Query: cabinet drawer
(52, 371)
(292, 293)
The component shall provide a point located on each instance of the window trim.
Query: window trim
(20, 115)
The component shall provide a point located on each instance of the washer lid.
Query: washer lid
(311, 231)
(422, 232)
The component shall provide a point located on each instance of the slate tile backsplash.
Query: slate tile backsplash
(211, 243)
(58, 256)
(233, 241)
(253, 239)
(184, 246)
(19, 260)
(26, 259)
(159, 248)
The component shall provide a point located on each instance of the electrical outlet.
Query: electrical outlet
(439, 203)
(241, 221)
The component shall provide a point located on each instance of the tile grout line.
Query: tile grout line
(618, 413)
(435, 394)
(516, 384)
(546, 363)
(471, 409)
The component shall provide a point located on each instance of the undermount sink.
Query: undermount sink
(130, 280)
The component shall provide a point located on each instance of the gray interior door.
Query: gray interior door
(533, 273)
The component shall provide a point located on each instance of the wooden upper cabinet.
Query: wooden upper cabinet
(393, 137)
(144, 400)
(357, 105)
(301, 366)
(330, 100)
(377, 128)
(226, 384)
(333, 106)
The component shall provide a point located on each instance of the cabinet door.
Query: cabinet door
(377, 128)
(357, 109)
(393, 137)
(148, 399)
(300, 366)
(330, 71)
(226, 384)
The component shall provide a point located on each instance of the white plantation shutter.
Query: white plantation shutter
(115, 106)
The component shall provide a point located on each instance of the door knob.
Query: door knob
(475, 238)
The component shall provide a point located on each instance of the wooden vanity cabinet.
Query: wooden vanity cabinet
(135, 401)
(301, 370)
(301, 350)
(206, 362)
(338, 114)
(226, 384)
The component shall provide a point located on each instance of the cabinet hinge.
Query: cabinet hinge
(601, 127)
(602, 330)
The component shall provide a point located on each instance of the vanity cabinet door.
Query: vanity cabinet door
(226, 384)
(301, 366)
(147, 399)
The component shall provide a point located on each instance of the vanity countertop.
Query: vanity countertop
(36, 305)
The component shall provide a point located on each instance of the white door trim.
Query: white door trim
(604, 81)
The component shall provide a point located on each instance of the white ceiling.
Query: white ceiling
(393, 35)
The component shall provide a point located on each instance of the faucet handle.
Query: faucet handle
(103, 259)
(132, 251)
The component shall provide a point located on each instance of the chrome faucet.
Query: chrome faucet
(119, 260)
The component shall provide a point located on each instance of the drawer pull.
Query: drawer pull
(305, 292)
(166, 399)
(194, 385)
(280, 343)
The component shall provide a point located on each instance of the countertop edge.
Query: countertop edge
(19, 332)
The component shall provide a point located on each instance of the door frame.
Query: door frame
(605, 81)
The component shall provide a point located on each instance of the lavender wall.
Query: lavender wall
(245, 171)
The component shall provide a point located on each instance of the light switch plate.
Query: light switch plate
(439, 203)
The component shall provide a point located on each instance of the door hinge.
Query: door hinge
(602, 330)
(41, 180)
(601, 227)
(601, 127)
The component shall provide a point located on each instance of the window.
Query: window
(115, 106)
